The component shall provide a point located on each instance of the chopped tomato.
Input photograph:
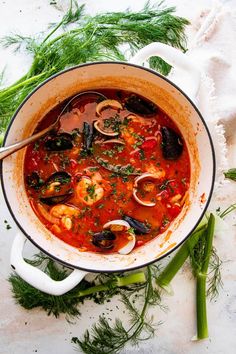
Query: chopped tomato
(149, 145)
(174, 210)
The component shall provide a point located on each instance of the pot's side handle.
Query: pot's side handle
(186, 75)
(36, 277)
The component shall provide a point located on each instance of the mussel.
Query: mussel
(59, 142)
(172, 144)
(139, 105)
(104, 239)
(88, 134)
(56, 199)
(57, 188)
(34, 180)
(138, 226)
(122, 227)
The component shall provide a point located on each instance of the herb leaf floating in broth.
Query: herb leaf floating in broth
(82, 178)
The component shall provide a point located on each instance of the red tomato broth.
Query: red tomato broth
(142, 150)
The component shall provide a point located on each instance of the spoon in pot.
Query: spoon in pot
(8, 150)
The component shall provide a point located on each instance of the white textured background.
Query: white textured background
(25, 332)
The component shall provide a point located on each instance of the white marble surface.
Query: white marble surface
(25, 332)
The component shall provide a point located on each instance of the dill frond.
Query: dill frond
(214, 275)
(231, 174)
(90, 38)
(105, 338)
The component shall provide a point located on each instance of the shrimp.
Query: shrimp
(65, 214)
(90, 190)
(61, 210)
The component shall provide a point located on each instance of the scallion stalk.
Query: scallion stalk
(114, 283)
(180, 257)
(202, 326)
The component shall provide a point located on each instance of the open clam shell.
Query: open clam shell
(129, 246)
(107, 103)
(145, 176)
(100, 129)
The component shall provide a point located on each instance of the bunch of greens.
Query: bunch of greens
(82, 38)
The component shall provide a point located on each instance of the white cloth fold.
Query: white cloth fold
(213, 50)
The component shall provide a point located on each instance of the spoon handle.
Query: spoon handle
(8, 150)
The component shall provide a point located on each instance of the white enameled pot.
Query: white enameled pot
(127, 76)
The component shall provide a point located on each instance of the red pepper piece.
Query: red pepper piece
(174, 211)
(148, 145)
(139, 243)
(73, 164)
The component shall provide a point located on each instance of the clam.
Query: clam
(108, 126)
(144, 121)
(138, 226)
(100, 126)
(108, 103)
(117, 226)
(172, 144)
(148, 185)
(57, 188)
(139, 105)
(111, 141)
(59, 142)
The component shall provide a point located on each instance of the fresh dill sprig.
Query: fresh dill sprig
(214, 275)
(91, 38)
(110, 339)
(101, 289)
(231, 174)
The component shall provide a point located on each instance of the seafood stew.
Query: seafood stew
(112, 177)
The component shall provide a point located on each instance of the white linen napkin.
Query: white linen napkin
(213, 50)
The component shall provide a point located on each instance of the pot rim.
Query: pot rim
(69, 265)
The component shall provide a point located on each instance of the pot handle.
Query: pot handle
(187, 76)
(38, 278)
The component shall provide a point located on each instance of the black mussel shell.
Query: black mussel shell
(61, 176)
(172, 144)
(64, 178)
(56, 199)
(138, 226)
(140, 106)
(59, 142)
(34, 181)
(88, 135)
(104, 239)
